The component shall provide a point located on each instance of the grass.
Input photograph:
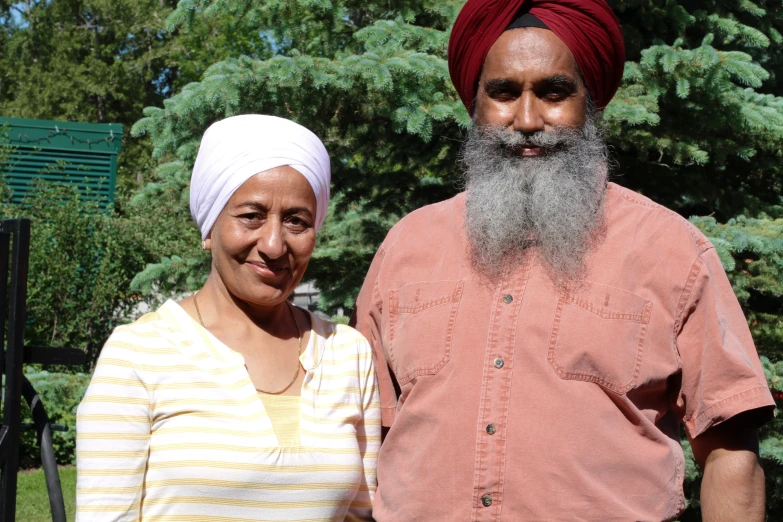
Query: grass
(32, 500)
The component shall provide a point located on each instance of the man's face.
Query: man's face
(535, 161)
(530, 82)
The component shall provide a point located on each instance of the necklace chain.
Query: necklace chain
(299, 330)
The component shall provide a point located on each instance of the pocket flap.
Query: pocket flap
(608, 302)
(598, 336)
(416, 297)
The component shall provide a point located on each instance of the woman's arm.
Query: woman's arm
(368, 432)
(112, 438)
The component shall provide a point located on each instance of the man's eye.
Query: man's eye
(502, 95)
(557, 94)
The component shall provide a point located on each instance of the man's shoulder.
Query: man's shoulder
(631, 209)
(429, 221)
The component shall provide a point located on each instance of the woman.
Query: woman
(233, 404)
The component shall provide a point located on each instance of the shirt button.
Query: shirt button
(499, 363)
(491, 429)
(486, 500)
(508, 298)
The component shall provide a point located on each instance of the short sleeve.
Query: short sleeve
(721, 372)
(367, 319)
(112, 437)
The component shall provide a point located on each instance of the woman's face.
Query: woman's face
(262, 241)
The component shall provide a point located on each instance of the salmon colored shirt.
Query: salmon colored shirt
(512, 401)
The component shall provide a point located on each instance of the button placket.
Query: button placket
(496, 386)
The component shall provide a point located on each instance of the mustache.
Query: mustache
(508, 140)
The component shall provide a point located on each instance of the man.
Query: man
(539, 336)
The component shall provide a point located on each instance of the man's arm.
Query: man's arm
(723, 396)
(733, 483)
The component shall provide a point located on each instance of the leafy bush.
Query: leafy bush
(60, 394)
(82, 261)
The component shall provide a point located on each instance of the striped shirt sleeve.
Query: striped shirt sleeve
(368, 432)
(113, 435)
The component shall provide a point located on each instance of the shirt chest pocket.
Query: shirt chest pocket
(598, 336)
(420, 326)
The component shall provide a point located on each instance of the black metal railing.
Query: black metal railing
(14, 258)
(14, 247)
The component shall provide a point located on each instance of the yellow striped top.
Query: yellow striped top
(283, 411)
(172, 429)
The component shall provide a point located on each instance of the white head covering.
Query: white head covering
(237, 148)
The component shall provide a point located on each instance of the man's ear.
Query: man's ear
(207, 243)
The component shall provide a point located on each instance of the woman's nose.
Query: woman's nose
(271, 241)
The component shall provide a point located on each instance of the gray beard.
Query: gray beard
(550, 204)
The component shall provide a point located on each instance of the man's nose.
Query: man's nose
(528, 117)
(271, 241)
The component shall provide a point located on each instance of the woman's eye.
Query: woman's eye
(298, 224)
(251, 218)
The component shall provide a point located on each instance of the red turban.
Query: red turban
(589, 29)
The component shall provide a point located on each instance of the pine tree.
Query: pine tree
(696, 126)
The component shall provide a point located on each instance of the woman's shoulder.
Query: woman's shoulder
(338, 333)
(340, 344)
(153, 329)
(151, 323)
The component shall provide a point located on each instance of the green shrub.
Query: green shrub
(60, 394)
(82, 261)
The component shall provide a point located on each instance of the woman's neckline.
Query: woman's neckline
(309, 356)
